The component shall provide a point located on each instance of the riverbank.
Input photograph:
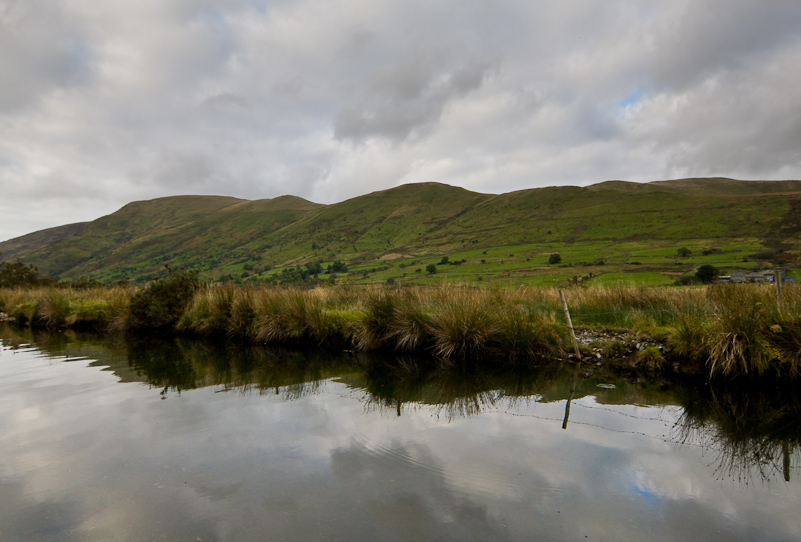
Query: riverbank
(719, 331)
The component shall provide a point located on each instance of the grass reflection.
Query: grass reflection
(749, 432)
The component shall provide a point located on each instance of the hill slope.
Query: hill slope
(24, 245)
(229, 236)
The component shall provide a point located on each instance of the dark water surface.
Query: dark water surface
(174, 440)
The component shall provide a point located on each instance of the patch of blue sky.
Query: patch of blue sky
(632, 99)
(647, 496)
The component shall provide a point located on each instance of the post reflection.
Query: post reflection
(749, 433)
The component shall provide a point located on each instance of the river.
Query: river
(107, 439)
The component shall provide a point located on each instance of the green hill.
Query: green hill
(32, 242)
(618, 229)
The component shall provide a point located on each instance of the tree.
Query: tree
(554, 258)
(431, 268)
(707, 273)
(14, 274)
(684, 252)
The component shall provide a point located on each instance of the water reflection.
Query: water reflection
(746, 434)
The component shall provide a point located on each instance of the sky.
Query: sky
(104, 103)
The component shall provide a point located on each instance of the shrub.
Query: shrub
(684, 252)
(707, 273)
(686, 280)
(161, 303)
(431, 269)
(554, 258)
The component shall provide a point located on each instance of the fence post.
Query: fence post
(570, 325)
(777, 278)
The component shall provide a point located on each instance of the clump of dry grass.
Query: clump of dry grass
(290, 315)
(373, 327)
(243, 312)
(736, 340)
(462, 323)
(209, 311)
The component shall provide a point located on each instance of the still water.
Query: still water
(172, 440)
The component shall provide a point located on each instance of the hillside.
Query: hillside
(615, 224)
(32, 242)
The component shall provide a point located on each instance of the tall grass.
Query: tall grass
(726, 330)
(295, 315)
(100, 308)
(462, 323)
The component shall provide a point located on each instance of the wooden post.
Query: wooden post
(777, 278)
(786, 460)
(572, 393)
(570, 325)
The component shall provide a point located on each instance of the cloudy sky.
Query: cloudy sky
(103, 103)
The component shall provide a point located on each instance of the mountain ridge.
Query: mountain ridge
(226, 236)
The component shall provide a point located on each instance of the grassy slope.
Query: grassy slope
(182, 230)
(631, 227)
(385, 224)
(34, 241)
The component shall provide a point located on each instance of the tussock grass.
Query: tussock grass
(737, 343)
(292, 315)
(726, 330)
(462, 323)
(209, 311)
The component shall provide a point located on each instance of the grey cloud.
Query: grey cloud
(185, 169)
(40, 50)
(49, 520)
(742, 122)
(225, 100)
(407, 98)
(423, 495)
(714, 36)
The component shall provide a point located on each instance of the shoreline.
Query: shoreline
(721, 331)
